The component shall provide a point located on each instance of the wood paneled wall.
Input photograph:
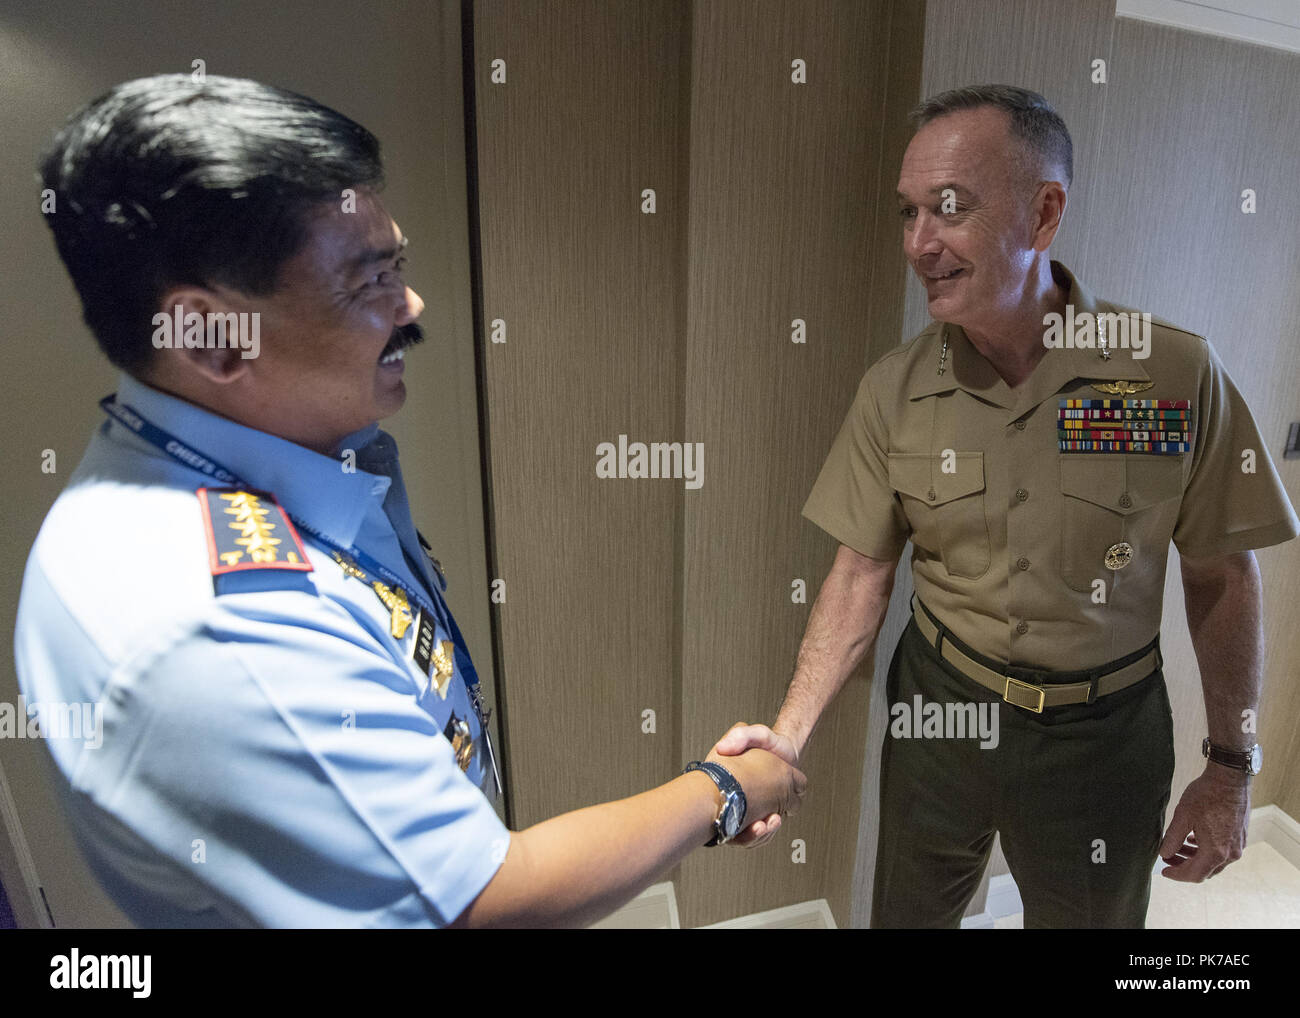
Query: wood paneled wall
(784, 196)
(590, 291)
(628, 595)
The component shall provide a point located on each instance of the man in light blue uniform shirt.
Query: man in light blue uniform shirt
(287, 689)
(288, 734)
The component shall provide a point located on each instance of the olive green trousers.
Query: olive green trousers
(1078, 794)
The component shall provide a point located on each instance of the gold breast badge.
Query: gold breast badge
(1122, 388)
(1119, 555)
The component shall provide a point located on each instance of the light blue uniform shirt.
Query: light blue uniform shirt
(267, 753)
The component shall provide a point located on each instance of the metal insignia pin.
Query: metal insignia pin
(476, 698)
(1119, 555)
(395, 600)
(462, 743)
(1101, 340)
(1122, 388)
(943, 354)
(349, 567)
(428, 552)
(444, 667)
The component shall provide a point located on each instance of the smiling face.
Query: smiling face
(331, 329)
(975, 260)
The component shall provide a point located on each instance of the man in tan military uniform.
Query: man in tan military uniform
(1040, 524)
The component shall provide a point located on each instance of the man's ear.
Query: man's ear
(1049, 208)
(192, 345)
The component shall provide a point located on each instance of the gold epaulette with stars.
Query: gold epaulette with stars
(247, 529)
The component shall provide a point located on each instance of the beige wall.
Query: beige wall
(394, 67)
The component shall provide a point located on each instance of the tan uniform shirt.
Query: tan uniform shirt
(1009, 534)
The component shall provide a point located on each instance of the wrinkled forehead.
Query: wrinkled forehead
(969, 149)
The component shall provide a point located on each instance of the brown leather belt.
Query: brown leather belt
(1102, 681)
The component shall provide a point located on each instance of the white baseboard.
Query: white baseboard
(1275, 827)
(655, 908)
(807, 915)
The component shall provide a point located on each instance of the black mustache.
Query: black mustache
(404, 336)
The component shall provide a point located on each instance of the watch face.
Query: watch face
(731, 817)
(1256, 758)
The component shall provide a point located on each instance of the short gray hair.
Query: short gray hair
(1032, 118)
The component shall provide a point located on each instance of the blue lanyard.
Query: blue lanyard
(131, 419)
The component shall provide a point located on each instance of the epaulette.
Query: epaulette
(247, 530)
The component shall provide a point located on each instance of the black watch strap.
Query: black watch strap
(733, 799)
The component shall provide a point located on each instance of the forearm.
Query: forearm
(1224, 609)
(579, 866)
(841, 628)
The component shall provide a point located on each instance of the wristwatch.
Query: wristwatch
(727, 823)
(1249, 761)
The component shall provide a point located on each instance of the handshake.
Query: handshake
(765, 763)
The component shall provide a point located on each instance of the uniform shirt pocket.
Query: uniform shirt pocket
(1109, 499)
(945, 508)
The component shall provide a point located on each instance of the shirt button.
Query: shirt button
(1020, 425)
(1022, 627)
(1125, 502)
(930, 495)
(1021, 495)
(1022, 563)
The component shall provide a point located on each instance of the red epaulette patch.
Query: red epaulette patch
(249, 530)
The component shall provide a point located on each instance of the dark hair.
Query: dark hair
(1033, 120)
(168, 181)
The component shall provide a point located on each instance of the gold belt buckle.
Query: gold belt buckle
(1038, 691)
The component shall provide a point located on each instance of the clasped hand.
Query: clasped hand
(768, 759)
